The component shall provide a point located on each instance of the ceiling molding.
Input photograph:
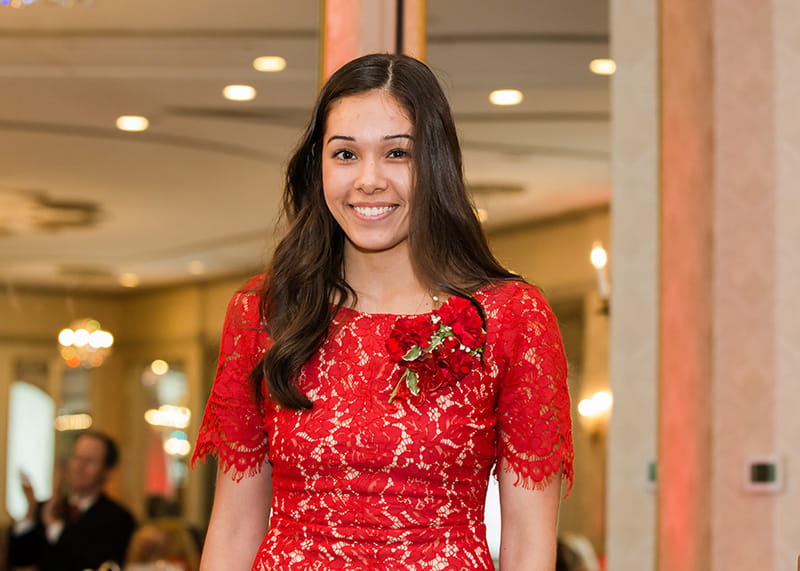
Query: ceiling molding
(294, 34)
(178, 34)
(284, 117)
(519, 38)
(149, 138)
(218, 242)
(173, 252)
(507, 116)
(525, 150)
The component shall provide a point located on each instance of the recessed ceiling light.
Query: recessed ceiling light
(506, 97)
(239, 92)
(128, 280)
(603, 66)
(269, 63)
(132, 123)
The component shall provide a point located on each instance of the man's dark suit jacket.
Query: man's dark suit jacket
(101, 534)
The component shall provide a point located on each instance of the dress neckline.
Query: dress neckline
(356, 312)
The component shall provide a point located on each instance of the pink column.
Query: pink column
(352, 28)
(684, 452)
(718, 278)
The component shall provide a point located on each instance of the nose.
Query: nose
(370, 177)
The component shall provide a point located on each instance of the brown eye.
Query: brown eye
(344, 154)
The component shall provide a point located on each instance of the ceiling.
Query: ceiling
(195, 195)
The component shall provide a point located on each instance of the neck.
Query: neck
(385, 282)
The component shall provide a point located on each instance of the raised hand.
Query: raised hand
(52, 508)
(30, 495)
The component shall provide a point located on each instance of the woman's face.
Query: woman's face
(368, 170)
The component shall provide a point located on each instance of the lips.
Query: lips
(373, 211)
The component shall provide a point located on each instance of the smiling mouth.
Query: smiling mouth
(372, 211)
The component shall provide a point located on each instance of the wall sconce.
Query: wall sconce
(595, 412)
(599, 259)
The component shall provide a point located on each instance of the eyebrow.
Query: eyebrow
(386, 138)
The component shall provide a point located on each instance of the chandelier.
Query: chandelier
(57, 3)
(84, 343)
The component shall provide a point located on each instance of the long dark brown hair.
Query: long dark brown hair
(305, 285)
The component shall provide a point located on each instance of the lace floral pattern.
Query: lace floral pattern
(362, 483)
(232, 428)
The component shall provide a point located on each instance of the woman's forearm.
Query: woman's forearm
(519, 554)
(529, 522)
(238, 521)
(230, 549)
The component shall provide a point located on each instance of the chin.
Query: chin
(376, 247)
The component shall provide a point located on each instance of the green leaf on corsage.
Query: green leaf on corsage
(413, 353)
(411, 381)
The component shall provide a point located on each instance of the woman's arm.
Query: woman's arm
(238, 521)
(529, 521)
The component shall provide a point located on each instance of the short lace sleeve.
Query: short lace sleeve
(232, 427)
(533, 407)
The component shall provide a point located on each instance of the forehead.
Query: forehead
(374, 112)
(89, 446)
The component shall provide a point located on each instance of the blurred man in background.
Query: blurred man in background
(79, 527)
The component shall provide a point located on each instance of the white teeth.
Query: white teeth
(372, 210)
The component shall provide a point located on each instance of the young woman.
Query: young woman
(369, 383)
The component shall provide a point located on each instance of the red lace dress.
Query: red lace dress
(363, 483)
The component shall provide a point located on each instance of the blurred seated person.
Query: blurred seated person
(566, 558)
(575, 553)
(166, 544)
(79, 527)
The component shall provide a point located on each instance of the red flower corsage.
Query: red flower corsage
(435, 349)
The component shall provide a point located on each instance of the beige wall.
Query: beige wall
(176, 324)
(29, 324)
(786, 423)
(554, 255)
(180, 325)
(634, 329)
(757, 266)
